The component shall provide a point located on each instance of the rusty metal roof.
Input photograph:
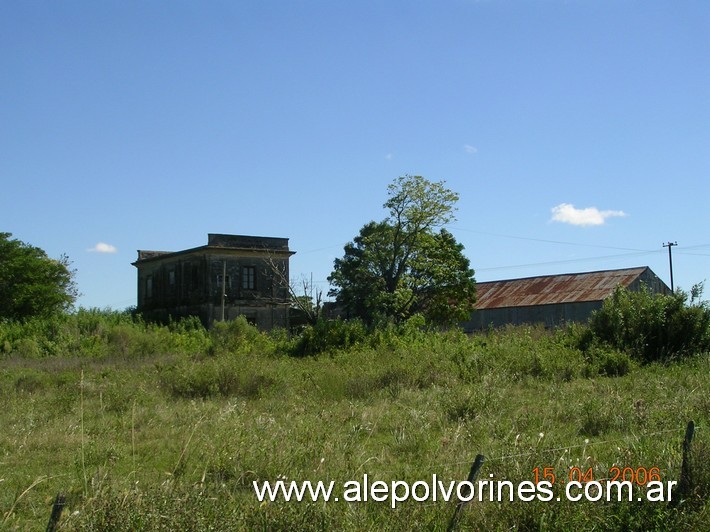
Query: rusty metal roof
(551, 289)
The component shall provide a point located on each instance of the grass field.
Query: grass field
(166, 428)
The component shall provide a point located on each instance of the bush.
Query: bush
(328, 335)
(652, 327)
(213, 377)
(236, 335)
(607, 362)
(95, 333)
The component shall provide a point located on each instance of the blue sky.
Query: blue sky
(576, 132)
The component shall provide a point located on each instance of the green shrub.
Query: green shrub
(27, 348)
(329, 335)
(30, 382)
(203, 379)
(236, 335)
(652, 327)
(95, 333)
(607, 362)
(213, 377)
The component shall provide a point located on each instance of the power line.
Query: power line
(568, 261)
(320, 249)
(693, 254)
(636, 252)
(531, 239)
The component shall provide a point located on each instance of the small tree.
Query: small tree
(31, 283)
(408, 263)
(309, 304)
(306, 300)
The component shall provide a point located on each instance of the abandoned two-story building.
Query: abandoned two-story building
(232, 275)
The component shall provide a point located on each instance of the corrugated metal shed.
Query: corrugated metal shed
(554, 300)
(554, 289)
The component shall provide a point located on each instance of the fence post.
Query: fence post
(56, 513)
(685, 482)
(477, 463)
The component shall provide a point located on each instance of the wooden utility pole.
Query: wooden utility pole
(224, 285)
(669, 245)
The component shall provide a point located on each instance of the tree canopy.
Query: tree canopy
(407, 263)
(31, 283)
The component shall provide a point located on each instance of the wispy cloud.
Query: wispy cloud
(470, 149)
(568, 214)
(389, 156)
(103, 247)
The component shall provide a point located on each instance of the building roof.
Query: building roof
(552, 289)
(221, 242)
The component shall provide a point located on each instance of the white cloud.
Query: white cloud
(470, 149)
(102, 247)
(568, 214)
(388, 156)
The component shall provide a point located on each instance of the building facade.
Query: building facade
(232, 275)
(554, 300)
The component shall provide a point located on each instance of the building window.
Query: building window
(185, 277)
(228, 284)
(195, 279)
(171, 278)
(249, 278)
(149, 286)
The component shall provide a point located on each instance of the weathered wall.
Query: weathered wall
(548, 315)
(189, 283)
(652, 283)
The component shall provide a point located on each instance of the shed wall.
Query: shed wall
(549, 315)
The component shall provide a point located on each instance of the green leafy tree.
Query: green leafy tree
(408, 263)
(31, 283)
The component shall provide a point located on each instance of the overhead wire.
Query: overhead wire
(568, 261)
(636, 252)
(532, 239)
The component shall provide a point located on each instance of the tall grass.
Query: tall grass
(98, 334)
(155, 428)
